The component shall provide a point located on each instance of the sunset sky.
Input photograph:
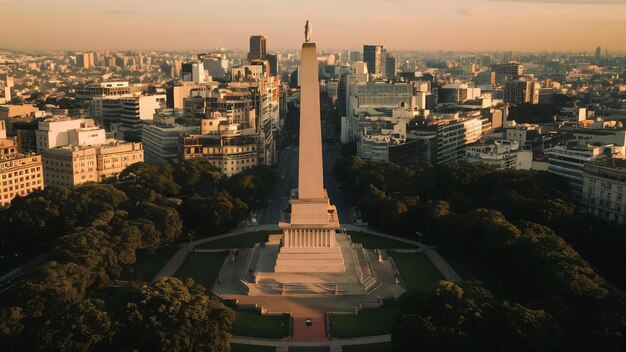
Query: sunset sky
(476, 25)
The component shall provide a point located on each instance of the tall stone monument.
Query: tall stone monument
(309, 239)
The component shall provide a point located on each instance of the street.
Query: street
(288, 180)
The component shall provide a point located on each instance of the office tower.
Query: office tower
(391, 67)
(273, 61)
(354, 56)
(374, 56)
(83, 60)
(598, 53)
(194, 72)
(521, 91)
(502, 72)
(186, 71)
(258, 47)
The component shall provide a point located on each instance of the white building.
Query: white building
(61, 131)
(126, 115)
(604, 182)
(363, 96)
(502, 154)
(568, 160)
(521, 132)
(453, 134)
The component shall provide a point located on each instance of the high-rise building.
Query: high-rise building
(598, 53)
(354, 56)
(20, 174)
(391, 66)
(258, 47)
(374, 56)
(82, 60)
(521, 91)
(502, 72)
(273, 61)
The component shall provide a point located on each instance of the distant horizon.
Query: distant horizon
(320, 50)
(558, 26)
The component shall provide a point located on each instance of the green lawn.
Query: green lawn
(371, 241)
(147, 265)
(203, 268)
(251, 323)
(234, 347)
(416, 270)
(246, 240)
(369, 322)
(375, 347)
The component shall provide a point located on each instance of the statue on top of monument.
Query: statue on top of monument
(307, 32)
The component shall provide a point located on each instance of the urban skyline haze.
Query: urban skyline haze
(476, 25)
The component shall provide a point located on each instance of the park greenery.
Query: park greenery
(89, 236)
(523, 233)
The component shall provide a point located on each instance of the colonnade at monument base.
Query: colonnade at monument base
(309, 250)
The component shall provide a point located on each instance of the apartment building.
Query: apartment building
(20, 174)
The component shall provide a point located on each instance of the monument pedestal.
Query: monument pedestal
(347, 272)
(310, 240)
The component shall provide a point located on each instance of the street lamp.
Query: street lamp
(420, 236)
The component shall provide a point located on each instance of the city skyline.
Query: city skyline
(451, 25)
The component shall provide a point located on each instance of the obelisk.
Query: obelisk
(309, 240)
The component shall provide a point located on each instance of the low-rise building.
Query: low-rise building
(502, 154)
(20, 174)
(604, 182)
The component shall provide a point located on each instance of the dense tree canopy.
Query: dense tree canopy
(93, 232)
(520, 230)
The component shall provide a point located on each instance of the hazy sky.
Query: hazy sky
(518, 25)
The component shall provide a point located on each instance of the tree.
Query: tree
(176, 315)
(467, 317)
(198, 177)
(154, 177)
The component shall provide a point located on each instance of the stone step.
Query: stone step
(313, 266)
(308, 256)
(301, 250)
